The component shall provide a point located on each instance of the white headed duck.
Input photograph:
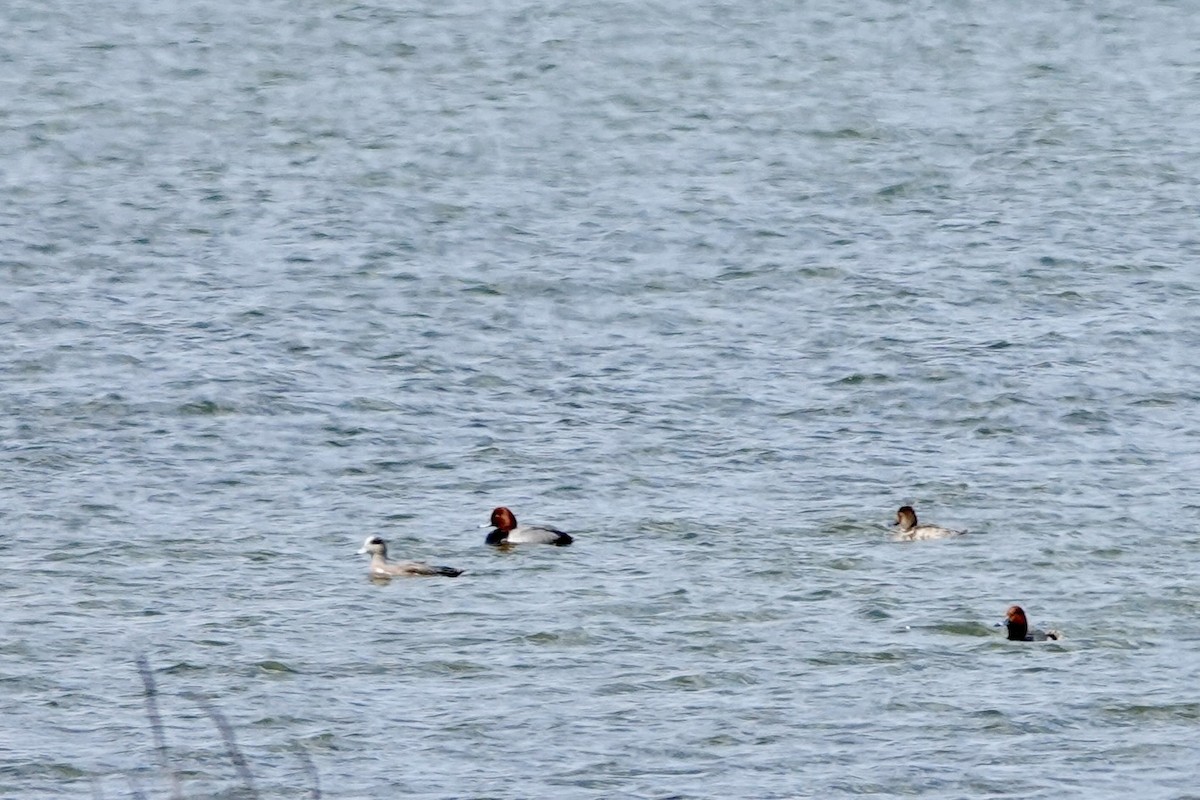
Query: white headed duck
(382, 568)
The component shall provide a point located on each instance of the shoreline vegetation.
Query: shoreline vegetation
(162, 751)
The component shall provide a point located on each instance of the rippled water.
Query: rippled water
(714, 287)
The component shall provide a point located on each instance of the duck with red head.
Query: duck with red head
(505, 530)
(1018, 628)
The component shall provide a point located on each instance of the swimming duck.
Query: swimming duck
(505, 530)
(909, 531)
(1018, 628)
(382, 568)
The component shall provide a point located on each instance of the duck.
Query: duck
(909, 531)
(1018, 628)
(505, 530)
(382, 568)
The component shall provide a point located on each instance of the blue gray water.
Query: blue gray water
(715, 287)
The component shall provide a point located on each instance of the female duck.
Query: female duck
(382, 568)
(505, 530)
(1018, 628)
(907, 529)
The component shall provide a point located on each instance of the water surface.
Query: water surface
(714, 287)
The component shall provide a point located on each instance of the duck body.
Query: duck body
(1019, 631)
(382, 568)
(908, 530)
(505, 530)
